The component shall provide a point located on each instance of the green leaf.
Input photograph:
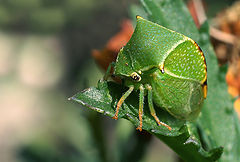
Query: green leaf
(172, 14)
(217, 125)
(103, 99)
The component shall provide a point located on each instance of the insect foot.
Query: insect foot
(139, 128)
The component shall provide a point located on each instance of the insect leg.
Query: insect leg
(119, 104)
(108, 72)
(140, 113)
(151, 107)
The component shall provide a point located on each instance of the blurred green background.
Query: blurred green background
(45, 57)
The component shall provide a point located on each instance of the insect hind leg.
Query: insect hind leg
(151, 107)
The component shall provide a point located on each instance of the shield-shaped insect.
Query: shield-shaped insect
(169, 66)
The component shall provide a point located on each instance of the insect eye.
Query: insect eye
(135, 77)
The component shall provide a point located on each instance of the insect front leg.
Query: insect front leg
(151, 107)
(108, 72)
(140, 113)
(120, 102)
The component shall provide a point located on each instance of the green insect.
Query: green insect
(167, 66)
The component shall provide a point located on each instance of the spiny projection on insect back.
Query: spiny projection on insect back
(167, 66)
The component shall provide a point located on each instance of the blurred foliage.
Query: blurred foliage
(44, 15)
(70, 140)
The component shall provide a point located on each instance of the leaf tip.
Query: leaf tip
(73, 98)
(216, 153)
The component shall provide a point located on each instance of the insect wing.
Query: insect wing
(187, 61)
(150, 44)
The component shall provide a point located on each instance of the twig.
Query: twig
(201, 16)
(214, 32)
(223, 36)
